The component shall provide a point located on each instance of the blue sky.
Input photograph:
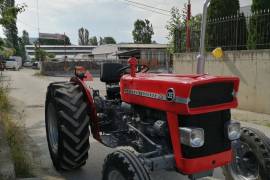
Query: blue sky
(102, 17)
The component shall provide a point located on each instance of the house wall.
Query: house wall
(252, 67)
(155, 57)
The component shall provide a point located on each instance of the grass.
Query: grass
(15, 137)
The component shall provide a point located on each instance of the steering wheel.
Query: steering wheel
(140, 68)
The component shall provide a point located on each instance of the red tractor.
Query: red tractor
(172, 122)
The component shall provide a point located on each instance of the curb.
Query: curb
(7, 171)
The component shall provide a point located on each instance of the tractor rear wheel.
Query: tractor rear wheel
(67, 125)
(251, 157)
(124, 165)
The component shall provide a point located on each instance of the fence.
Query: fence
(63, 68)
(237, 32)
(66, 68)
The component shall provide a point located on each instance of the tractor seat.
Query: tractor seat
(109, 73)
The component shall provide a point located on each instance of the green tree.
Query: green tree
(93, 41)
(259, 25)
(22, 41)
(224, 25)
(7, 52)
(106, 40)
(143, 31)
(109, 40)
(51, 55)
(83, 36)
(1, 44)
(100, 42)
(175, 29)
(222, 8)
(195, 24)
(22, 52)
(25, 38)
(9, 14)
(258, 5)
(40, 54)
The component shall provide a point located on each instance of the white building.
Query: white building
(153, 55)
(60, 52)
(115, 51)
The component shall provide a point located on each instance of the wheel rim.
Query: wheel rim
(245, 165)
(52, 128)
(115, 175)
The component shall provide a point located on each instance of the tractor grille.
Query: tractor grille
(213, 125)
(211, 94)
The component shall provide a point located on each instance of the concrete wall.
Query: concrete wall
(252, 67)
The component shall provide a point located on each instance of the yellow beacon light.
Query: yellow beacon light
(218, 53)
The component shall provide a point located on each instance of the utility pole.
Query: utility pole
(38, 41)
(188, 27)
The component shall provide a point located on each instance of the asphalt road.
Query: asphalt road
(28, 92)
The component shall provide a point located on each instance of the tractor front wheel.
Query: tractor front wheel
(124, 165)
(67, 125)
(251, 159)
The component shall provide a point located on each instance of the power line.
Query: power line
(146, 5)
(147, 9)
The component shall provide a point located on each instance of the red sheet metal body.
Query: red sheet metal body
(149, 90)
(158, 84)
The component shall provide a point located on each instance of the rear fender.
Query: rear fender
(93, 115)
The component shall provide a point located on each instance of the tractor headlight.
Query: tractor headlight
(193, 137)
(233, 130)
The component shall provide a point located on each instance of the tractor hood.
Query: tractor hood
(182, 94)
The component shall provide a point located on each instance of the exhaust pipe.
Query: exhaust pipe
(201, 56)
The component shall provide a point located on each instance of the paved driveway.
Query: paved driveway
(28, 92)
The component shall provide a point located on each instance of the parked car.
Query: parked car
(27, 64)
(12, 64)
(36, 65)
(18, 59)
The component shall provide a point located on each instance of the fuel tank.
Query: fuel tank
(181, 94)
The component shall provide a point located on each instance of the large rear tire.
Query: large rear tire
(67, 125)
(251, 157)
(124, 165)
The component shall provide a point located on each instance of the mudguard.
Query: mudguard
(93, 115)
